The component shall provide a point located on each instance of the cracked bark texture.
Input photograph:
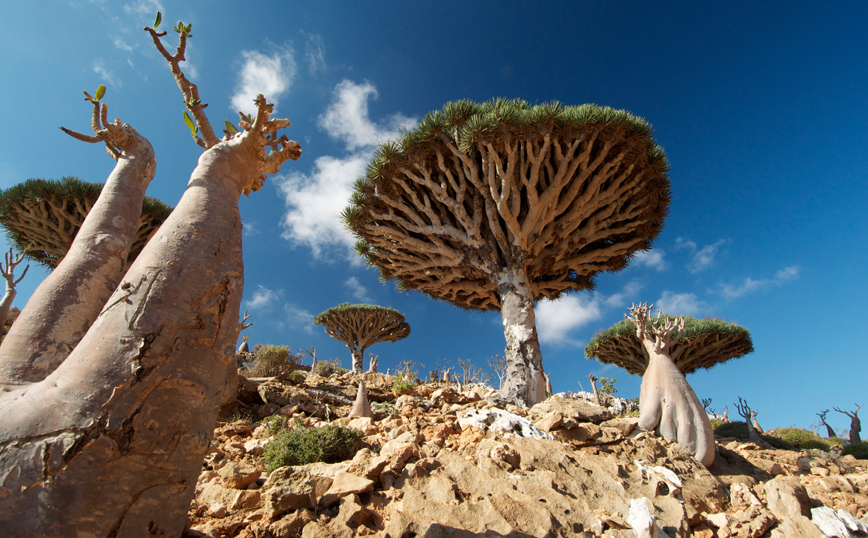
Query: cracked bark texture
(494, 206)
(77, 289)
(362, 325)
(111, 443)
(667, 404)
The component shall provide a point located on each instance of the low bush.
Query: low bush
(715, 423)
(801, 439)
(295, 378)
(328, 367)
(858, 451)
(299, 446)
(271, 361)
(732, 429)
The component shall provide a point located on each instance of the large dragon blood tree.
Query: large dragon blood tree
(362, 325)
(494, 206)
(110, 441)
(663, 350)
(42, 217)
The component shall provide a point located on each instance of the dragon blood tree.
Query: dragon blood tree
(43, 217)
(493, 206)
(663, 351)
(362, 325)
(111, 441)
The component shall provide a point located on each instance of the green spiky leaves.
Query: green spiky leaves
(183, 30)
(98, 94)
(158, 20)
(230, 129)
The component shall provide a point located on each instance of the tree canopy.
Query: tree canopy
(44, 215)
(362, 325)
(564, 192)
(703, 344)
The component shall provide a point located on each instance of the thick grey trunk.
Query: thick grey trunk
(829, 431)
(80, 285)
(525, 383)
(752, 434)
(668, 406)
(855, 428)
(111, 443)
(6, 304)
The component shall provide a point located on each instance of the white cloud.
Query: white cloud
(556, 320)
(683, 242)
(703, 258)
(271, 76)
(347, 118)
(314, 53)
(750, 285)
(262, 298)
(359, 291)
(651, 258)
(145, 7)
(678, 304)
(121, 44)
(106, 76)
(250, 229)
(298, 318)
(315, 201)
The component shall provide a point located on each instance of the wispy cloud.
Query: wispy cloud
(314, 53)
(298, 318)
(250, 229)
(119, 43)
(651, 258)
(106, 76)
(271, 75)
(144, 7)
(751, 286)
(358, 290)
(702, 258)
(557, 321)
(678, 304)
(315, 201)
(262, 298)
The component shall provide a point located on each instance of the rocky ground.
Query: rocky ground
(444, 462)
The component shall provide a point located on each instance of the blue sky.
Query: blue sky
(761, 109)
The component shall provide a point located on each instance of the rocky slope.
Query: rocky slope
(439, 462)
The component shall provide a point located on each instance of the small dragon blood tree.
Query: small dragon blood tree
(42, 217)
(494, 206)
(110, 441)
(663, 351)
(362, 325)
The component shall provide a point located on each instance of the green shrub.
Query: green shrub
(295, 378)
(274, 423)
(800, 439)
(832, 441)
(271, 361)
(329, 444)
(715, 423)
(732, 429)
(328, 367)
(777, 442)
(858, 451)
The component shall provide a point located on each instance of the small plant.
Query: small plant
(328, 367)
(271, 361)
(857, 450)
(244, 415)
(301, 445)
(405, 378)
(715, 424)
(274, 423)
(295, 378)
(471, 373)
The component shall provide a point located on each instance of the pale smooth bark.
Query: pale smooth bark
(111, 443)
(79, 287)
(667, 403)
(7, 271)
(361, 407)
(525, 383)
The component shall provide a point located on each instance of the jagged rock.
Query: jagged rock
(239, 475)
(642, 521)
(569, 408)
(345, 484)
(838, 524)
(787, 497)
(288, 488)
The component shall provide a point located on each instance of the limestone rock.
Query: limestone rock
(502, 423)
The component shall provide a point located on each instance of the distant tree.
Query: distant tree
(855, 424)
(829, 431)
(663, 350)
(470, 373)
(593, 379)
(498, 364)
(607, 387)
(110, 440)
(7, 270)
(748, 415)
(362, 325)
(42, 217)
(493, 206)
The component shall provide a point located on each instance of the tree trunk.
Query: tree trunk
(6, 303)
(829, 431)
(668, 405)
(855, 428)
(111, 443)
(80, 285)
(358, 359)
(756, 425)
(525, 383)
(752, 434)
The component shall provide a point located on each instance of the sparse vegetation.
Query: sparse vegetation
(406, 377)
(271, 361)
(302, 445)
(327, 367)
(858, 451)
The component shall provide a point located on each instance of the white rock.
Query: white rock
(642, 520)
(829, 523)
(500, 421)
